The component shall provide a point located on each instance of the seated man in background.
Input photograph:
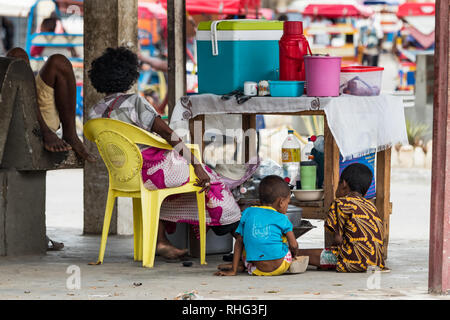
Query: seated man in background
(157, 64)
(56, 101)
(50, 25)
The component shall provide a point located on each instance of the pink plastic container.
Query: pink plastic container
(322, 76)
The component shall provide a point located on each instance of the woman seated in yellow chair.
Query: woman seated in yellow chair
(113, 74)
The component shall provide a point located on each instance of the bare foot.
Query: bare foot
(170, 252)
(225, 266)
(80, 149)
(54, 144)
(229, 266)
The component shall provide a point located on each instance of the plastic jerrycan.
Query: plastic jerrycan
(292, 47)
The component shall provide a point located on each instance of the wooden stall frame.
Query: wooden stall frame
(318, 209)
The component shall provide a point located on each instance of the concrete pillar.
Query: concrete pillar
(109, 23)
(439, 256)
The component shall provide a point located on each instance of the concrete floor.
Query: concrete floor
(52, 276)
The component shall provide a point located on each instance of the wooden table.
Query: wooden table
(318, 209)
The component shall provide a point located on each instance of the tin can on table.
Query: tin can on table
(263, 88)
(250, 88)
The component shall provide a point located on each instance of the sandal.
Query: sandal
(53, 245)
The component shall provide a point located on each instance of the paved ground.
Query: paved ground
(54, 276)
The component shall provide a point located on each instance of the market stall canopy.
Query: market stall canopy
(298, 5)
(20, 8)
(383, 2)
(333, 10)
(420, 22)
(151, 9)
(235, 7)
(416, 9)
(265, 13)
(70, 6)
(420, 16)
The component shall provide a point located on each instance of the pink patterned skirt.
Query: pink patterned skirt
(167, 169)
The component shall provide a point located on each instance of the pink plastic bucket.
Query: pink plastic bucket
(322, 76)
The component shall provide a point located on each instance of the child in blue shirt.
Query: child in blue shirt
(266, 234)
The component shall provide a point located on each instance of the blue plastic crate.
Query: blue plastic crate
(280, 88)
(369, 161)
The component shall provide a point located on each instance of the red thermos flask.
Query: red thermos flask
(293, 46)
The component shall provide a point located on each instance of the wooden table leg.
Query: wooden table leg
(383, 192)
(197, 132)
(331, 172)
(249, 139)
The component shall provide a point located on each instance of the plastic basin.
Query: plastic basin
(279, 88)
(308, 195)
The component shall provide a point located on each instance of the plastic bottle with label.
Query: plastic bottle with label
(290, 156)
(306, 152)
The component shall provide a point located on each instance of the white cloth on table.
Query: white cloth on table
(360, 125)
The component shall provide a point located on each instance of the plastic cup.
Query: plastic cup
(308, 175)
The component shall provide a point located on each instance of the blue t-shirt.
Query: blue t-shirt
(262, 229)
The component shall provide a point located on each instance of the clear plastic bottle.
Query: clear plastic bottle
(319, 144)
(306, 152)
(290, 156)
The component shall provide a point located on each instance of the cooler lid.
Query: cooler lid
(242, 25)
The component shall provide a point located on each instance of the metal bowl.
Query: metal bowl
(308, 195)
(294, 215)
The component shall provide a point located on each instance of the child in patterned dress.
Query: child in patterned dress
(355, 224)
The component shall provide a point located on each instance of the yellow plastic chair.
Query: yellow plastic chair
(117, 143)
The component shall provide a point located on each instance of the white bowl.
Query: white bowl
(308, 195)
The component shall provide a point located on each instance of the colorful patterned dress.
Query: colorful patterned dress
(362, 231)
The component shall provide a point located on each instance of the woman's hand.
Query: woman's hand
(203, 179)
(161, 128)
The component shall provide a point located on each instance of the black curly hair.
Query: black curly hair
(114, 71)
(358, 177)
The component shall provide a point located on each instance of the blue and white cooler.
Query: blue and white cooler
(230, 52)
